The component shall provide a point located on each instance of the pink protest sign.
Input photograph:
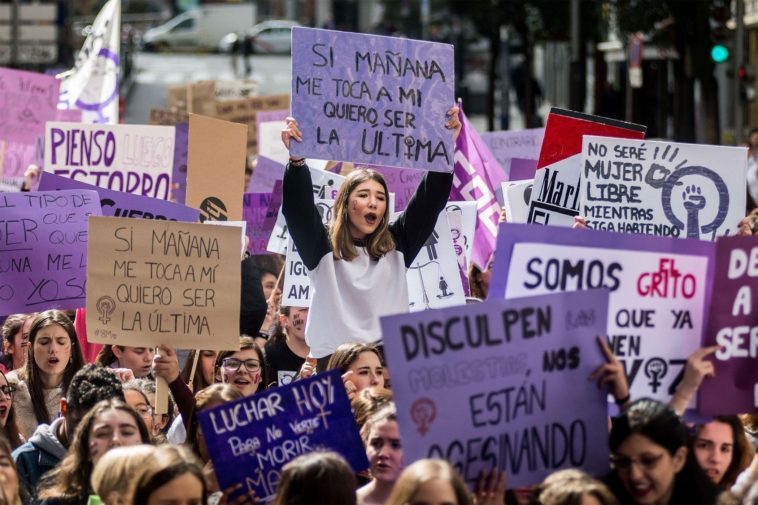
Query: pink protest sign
(27, 101)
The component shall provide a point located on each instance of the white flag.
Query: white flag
(92, 85)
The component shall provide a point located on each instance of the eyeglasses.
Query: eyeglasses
(234, 364)
(8, 390)
(646, 462)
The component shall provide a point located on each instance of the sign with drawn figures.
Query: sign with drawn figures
(163, 282)
(118, 204)
(433, 279)
(43, 249)
(461, 218)
(733, 325)
(129, 158)
(502, 383)
(659, 291)
(555, 197)
(325, 187)
(516, 198)
(296, 291)
(251, 439)
(372, 99)
(662, 188)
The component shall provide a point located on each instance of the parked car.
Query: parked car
(200, 28)
(272, 36)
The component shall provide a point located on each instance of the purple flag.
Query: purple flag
(119, 204)
(475, 178)
(733, 325)
(43, 249)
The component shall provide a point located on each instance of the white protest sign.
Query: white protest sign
(433, 278)
(662, 188)
(325, 186)
(655, 316)
(516, 197)
(296, 291)
(463, 233)
(135, 159)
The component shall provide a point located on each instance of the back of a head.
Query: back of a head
(367, 402)
(90, 385)
(119, 470)
(423, 471)
(315, 478)
(568, 487)
(650, 418)
(167, 463)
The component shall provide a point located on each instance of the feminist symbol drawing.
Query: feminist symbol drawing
(423, 412)
(694, 201)
(104, 78)
(105, 306)
(655, 370)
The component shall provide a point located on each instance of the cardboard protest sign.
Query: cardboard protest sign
(733, 325)
(245, 111)
(129, 158)
(503, 384)
(433, 278)
(372, 99)
(251, 439)
(216, 168)
(325, 187)
(27, 101)
(516, 197)
(508, 144)
(117, 204)
(196, 97)
(662, 188)
(659, 291)
(296, 291)
(555, 199)
(151, 282)
(43, 249)
(269, 126)
(167, 117)
(265, 174)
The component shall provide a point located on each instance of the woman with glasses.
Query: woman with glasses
(651, 460)
(137, 400)
(7, 414)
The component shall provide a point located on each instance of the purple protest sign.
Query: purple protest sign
(27, 101)
(522, 169)
(508, 144)
(117, 204)
(733, 325)
(269, 130)
(502, 383)
(265, 175)
(400, 181)
(259, 210)
(372, 99)
(134, 159)
(251, 439)
(43, 249)
(660, 291)
(179, 171)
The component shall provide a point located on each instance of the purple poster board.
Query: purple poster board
(117, 204)
(508, 144)
(400, 181)
(43, 249)
(265, 175)
(733, 325)
(522, 169)
(259, 210)
(502, 383)
(372, 99)
(27, 101)
(179, 172)
(251, 439)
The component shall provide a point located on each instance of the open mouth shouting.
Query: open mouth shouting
(372, 219)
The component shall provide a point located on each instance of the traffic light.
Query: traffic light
(721, 35)
(746, 75)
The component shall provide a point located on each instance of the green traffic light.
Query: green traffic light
(719, 53)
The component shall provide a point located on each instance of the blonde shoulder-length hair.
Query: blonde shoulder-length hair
(378, 243)
(423, 471)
